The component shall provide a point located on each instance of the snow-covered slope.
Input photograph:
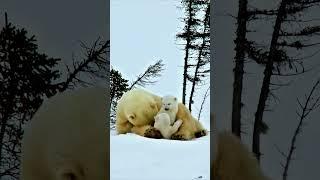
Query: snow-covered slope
(138, 158)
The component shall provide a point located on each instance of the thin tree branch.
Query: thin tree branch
(311, 104)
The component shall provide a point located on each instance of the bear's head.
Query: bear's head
(143, 113)
(169, 103)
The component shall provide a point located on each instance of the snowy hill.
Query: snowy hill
(133, 157)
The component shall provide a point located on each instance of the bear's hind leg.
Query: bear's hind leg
(182, 135)
(200, 130)
(200, 133)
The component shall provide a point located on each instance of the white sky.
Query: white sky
(142, 32)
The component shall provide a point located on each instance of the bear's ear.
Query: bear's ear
(131, 116)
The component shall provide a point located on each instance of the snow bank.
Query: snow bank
(133, 157)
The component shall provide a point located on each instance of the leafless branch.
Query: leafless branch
(94, 65)
(202, 103)
(311, 103)
(153, 71)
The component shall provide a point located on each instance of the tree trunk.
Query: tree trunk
(6, 114)
(239, 66)
(186, 58)
(2, 133)
(203, 43)
(266, 80)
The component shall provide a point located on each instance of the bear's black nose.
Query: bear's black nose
(166, 109)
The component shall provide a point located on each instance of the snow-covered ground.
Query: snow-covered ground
(138, 158)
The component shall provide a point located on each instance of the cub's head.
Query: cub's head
(169, 103)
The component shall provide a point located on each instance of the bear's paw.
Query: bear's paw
(180, 137)
(153, 133)
(200, 133)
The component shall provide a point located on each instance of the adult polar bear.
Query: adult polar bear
(137, 108)
(231, 159)
(67, 138)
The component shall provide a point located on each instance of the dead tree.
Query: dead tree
(203, 57)
(188, 29)
(202, 103)
(279, 59)
(311, 103)
(267, 79)
(190, 36)
(238, 70)
(146, 78)
(93, 64)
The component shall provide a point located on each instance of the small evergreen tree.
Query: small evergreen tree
(118, 86)
(26, 76)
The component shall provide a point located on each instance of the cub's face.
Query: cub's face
(169, 103)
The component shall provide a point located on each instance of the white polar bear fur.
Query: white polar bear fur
(67, 138)
(163, 124)
(169, 106)
(137, 108)
(232, 160)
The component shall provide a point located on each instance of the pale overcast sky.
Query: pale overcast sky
(283, 120)
(59, 25)
(143, 32)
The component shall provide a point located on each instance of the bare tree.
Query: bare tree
(188, 29)
(311, 103)
(190, 35)
(94, 65)
(280, 58)
(202, 103)
(238, 70)
(267, 79)
(153, 71)
(203, 57)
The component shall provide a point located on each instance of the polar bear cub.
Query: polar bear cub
(170, 107)
(163, 124)
(167, 117)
